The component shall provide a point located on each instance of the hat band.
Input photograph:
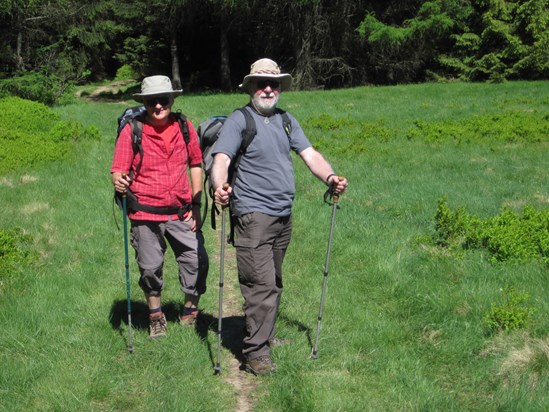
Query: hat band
(276, 73)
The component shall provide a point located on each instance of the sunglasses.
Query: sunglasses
(261, 84)
(152, 102)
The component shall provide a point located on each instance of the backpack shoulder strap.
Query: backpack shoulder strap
(183, 125)
(249, 131)
(286, 122)
(136, 125)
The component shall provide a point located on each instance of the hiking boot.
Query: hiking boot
(157, 326)
(262, 365)
(189, 319)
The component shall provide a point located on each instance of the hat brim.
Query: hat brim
(285, 80)
(140, 97)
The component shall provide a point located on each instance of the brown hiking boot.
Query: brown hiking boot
(190, 319)
(157, 326)
(262, 365)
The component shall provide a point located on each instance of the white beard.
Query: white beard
(265, 106)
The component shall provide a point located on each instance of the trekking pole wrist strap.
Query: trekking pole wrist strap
(328, 178)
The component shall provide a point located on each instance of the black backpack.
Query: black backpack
(135, 116)
(208, 133)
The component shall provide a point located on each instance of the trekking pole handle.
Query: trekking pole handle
(225, 188)
(335, 198)
(124, 175)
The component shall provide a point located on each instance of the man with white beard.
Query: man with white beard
(261, 196)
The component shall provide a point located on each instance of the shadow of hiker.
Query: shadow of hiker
(140, 314)
(232, 334)
(299, 326)
(233, 329)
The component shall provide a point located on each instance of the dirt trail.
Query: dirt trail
(243, 382)
(99, 93)
(233, 329)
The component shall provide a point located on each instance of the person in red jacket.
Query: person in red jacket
(166, 207)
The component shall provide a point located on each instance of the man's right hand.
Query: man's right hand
(222, 194)
(121, 182)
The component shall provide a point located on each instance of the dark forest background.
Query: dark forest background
(208, 45)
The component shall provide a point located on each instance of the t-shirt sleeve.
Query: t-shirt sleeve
(298, 140)
(230, 137)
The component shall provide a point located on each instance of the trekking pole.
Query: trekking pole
(127, 264)
(217, 369)
(335, 206)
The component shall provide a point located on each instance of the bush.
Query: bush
(125, 72)
(15, 254)
(506, 127)
(512, 313)
(36, 87)
(33, 134)
(507, 236)
(344, 137)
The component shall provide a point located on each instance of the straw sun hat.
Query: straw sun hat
(266, 69)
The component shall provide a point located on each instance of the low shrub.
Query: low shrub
(35, 86)
(509, 127)
(326, 122)
(507, 236)
(343, 137)
(125, 72)
(512, 313)
(32, 134)
(15, 254)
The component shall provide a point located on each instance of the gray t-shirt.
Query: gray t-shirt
(265, 178)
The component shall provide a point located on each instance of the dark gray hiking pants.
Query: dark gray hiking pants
(261, 242)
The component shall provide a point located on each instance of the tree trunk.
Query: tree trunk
(225, 70)
(18, 52)
(176, 78)
(303, 68)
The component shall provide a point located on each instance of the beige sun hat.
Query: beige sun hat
(266, 69)
(156, 86)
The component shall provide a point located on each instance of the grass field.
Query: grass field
(403, 321)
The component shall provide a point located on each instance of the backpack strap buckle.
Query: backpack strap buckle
(183, 210)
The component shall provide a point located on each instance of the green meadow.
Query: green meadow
(437, 288)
